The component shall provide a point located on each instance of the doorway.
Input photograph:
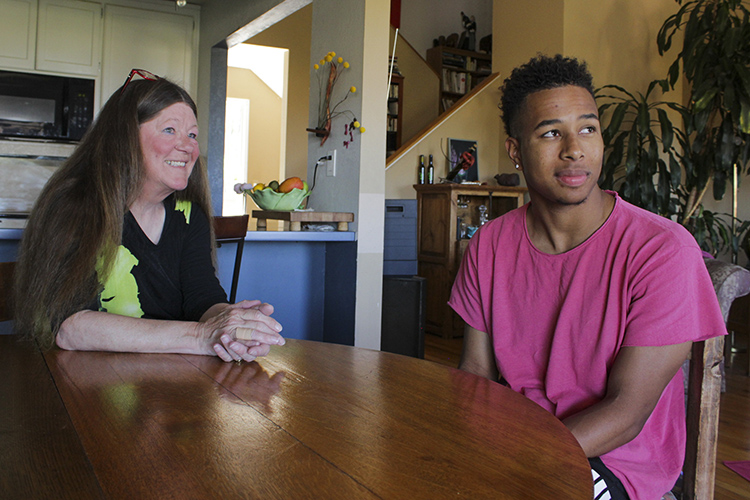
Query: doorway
(272, 70)
(255, 120)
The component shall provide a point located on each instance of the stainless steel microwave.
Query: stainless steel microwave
(46, 107)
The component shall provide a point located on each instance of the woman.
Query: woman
(118, 251)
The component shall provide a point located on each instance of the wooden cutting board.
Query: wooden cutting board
(296, 218)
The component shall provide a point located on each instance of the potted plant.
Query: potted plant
(666, 167)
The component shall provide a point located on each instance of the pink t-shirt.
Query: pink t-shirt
(557, 322)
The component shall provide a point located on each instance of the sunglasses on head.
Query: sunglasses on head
(146, 75)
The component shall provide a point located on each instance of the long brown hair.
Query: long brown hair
(77, 220)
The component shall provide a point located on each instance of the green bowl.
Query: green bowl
(268, 199)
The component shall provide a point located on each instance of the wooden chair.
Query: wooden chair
(232, 229)
(704, 383)
(6, 288)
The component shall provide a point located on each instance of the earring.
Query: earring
(517, 166)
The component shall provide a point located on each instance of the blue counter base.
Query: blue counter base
(310, 284)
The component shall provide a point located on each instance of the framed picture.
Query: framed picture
(457, 148)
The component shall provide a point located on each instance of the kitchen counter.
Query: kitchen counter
(15, 235)
(11, 234)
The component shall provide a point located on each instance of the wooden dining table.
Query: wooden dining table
(311, 420)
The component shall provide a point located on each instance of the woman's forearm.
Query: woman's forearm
(100, 331)
(216, 333)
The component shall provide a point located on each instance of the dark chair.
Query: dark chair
(6, 289)
(704, 384)
(232, 229)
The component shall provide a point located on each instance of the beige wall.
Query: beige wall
(616, 38)
(264, 143)
(462, 123)
(293, 33)
(421, 89)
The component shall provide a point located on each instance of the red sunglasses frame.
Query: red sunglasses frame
(146, 75)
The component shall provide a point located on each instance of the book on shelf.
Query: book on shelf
(392, 124)
(455, 81)
(447, 102)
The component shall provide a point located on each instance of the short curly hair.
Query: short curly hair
(540, 73)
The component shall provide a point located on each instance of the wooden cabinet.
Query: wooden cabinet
(61, 36)
(18, 33)
(459, 71)
(69, 37)
(160, 42)
(445, 211)
(99, 39)
(395, 114)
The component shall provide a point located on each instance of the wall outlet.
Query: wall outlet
(331, 164)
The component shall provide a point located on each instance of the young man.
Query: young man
(580, 301)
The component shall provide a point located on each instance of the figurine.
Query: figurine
(468, 37)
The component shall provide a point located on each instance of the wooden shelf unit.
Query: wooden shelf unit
(439, 247)
(459, 71)
(395, 114)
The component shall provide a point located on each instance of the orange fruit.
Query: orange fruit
(291, 183)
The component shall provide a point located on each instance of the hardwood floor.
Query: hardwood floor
(734, 419)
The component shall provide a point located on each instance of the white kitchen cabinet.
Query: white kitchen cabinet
(69, 37)
(159, 42)
(17, 33)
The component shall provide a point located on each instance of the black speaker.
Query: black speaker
(403, 315)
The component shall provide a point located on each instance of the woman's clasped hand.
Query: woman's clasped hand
(243, 331)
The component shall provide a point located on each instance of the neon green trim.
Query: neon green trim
(185, 207)
(120, 294)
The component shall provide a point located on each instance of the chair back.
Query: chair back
(704, 384)
(6, 289)
(232, 229)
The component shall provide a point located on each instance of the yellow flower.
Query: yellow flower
(340, 60)
(322, 62)
(332, 54)
(316, 66)
(356, 124)
(362, 129)
(346, 64)
(329, 58)
(353, 89)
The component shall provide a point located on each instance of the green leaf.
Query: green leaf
(631, 158)
(726, 145)
(643, 119)
(745, 116)
(667, 130)
(720, 184)
(703, 100)
(616, 120)
(675, 171)
(674, 72)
